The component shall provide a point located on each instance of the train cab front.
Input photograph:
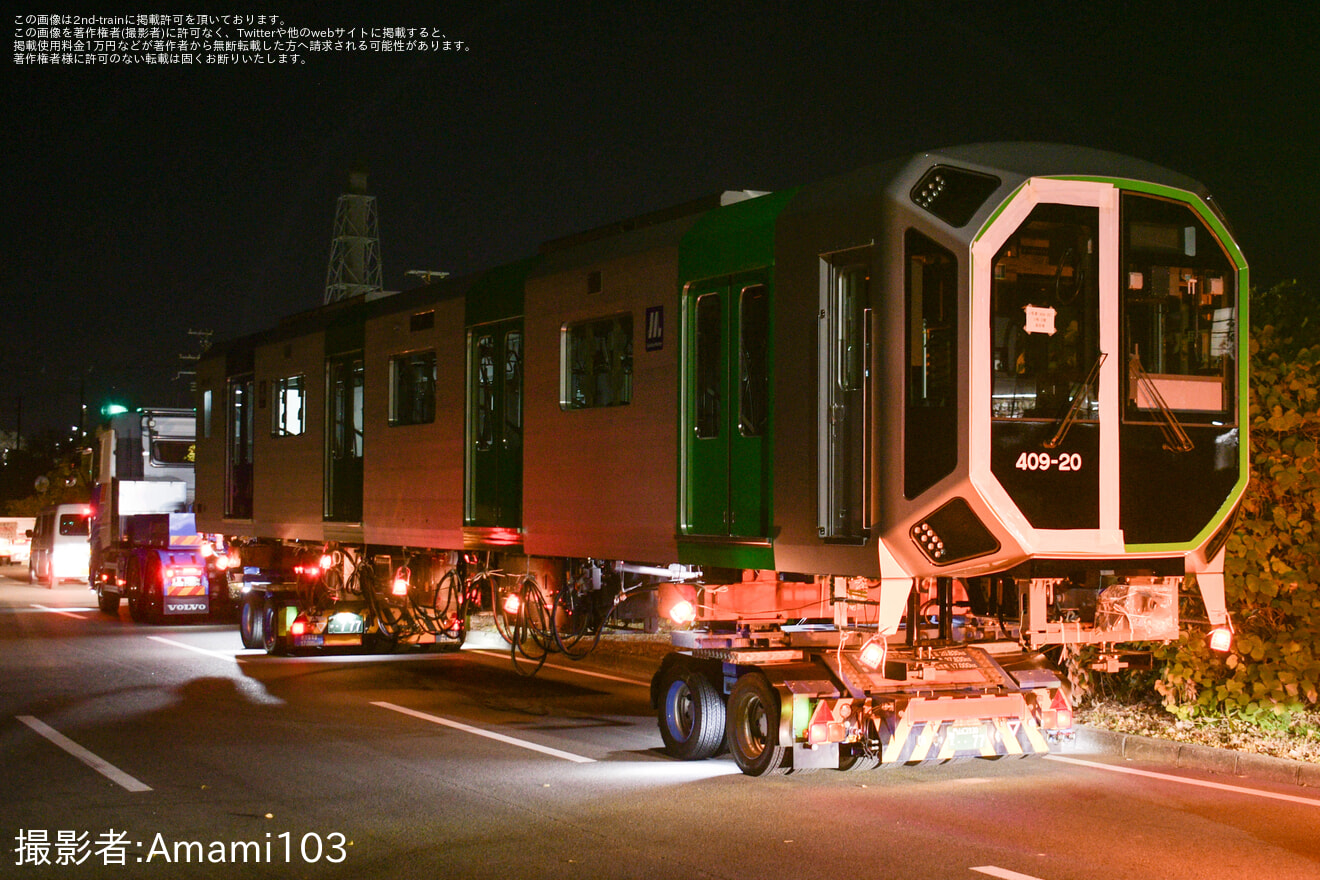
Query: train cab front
(1106, 438)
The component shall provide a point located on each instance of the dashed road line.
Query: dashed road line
(574, 669)
(100, 765)
(489, 734)
(222, 655)
(66, 613)
(1003, 873)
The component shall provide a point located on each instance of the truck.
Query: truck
(145, 547)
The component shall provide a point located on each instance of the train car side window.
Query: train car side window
(753, 361)
(709, 333)
(930, 428)
(596, 363)
(287, 415)
(412, 388)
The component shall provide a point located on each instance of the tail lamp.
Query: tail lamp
(1059, 715)
(400, 585)
(1221, 639)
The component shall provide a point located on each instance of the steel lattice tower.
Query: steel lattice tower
(355, 248)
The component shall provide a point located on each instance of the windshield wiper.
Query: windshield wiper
(1079, 396)
(1175, 438)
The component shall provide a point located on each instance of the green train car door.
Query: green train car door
(727, 355)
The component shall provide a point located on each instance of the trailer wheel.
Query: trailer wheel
(691, 714)
(753, 728)
(275, 644)
(250, 621)
(108, 602)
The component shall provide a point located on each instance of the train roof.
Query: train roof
(490, 292)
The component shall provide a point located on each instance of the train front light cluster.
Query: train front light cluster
(929, 541)
(953, 533)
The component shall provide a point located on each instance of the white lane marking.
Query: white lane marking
(66, 613)
(1003, 873)
(489, 734)
(572, 669)
(1201, 783)
(218, 654)
(101, 766)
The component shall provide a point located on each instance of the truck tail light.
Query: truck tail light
(1059, 715)
(825, 732)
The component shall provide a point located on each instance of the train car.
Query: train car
(885, 439)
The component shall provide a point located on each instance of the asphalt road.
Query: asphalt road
(171, 752)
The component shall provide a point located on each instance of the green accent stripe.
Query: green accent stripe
(726, 555)
(732, 239)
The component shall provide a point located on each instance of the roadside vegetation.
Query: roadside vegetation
(1264, 695)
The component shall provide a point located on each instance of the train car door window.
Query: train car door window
(845, 371)
(753, 361)
(493, 487)
(727, 406)
(930, 414)
(710, 364)
(344, 439)
(241, 419)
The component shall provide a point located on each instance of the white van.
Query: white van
(60, 548)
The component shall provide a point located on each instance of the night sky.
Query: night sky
(147, 201)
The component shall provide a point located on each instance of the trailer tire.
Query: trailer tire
(857, 761)
(275, 644)
(137, 592)
(107, 602)
(753, 728)
(250, 621)
(691, 714)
